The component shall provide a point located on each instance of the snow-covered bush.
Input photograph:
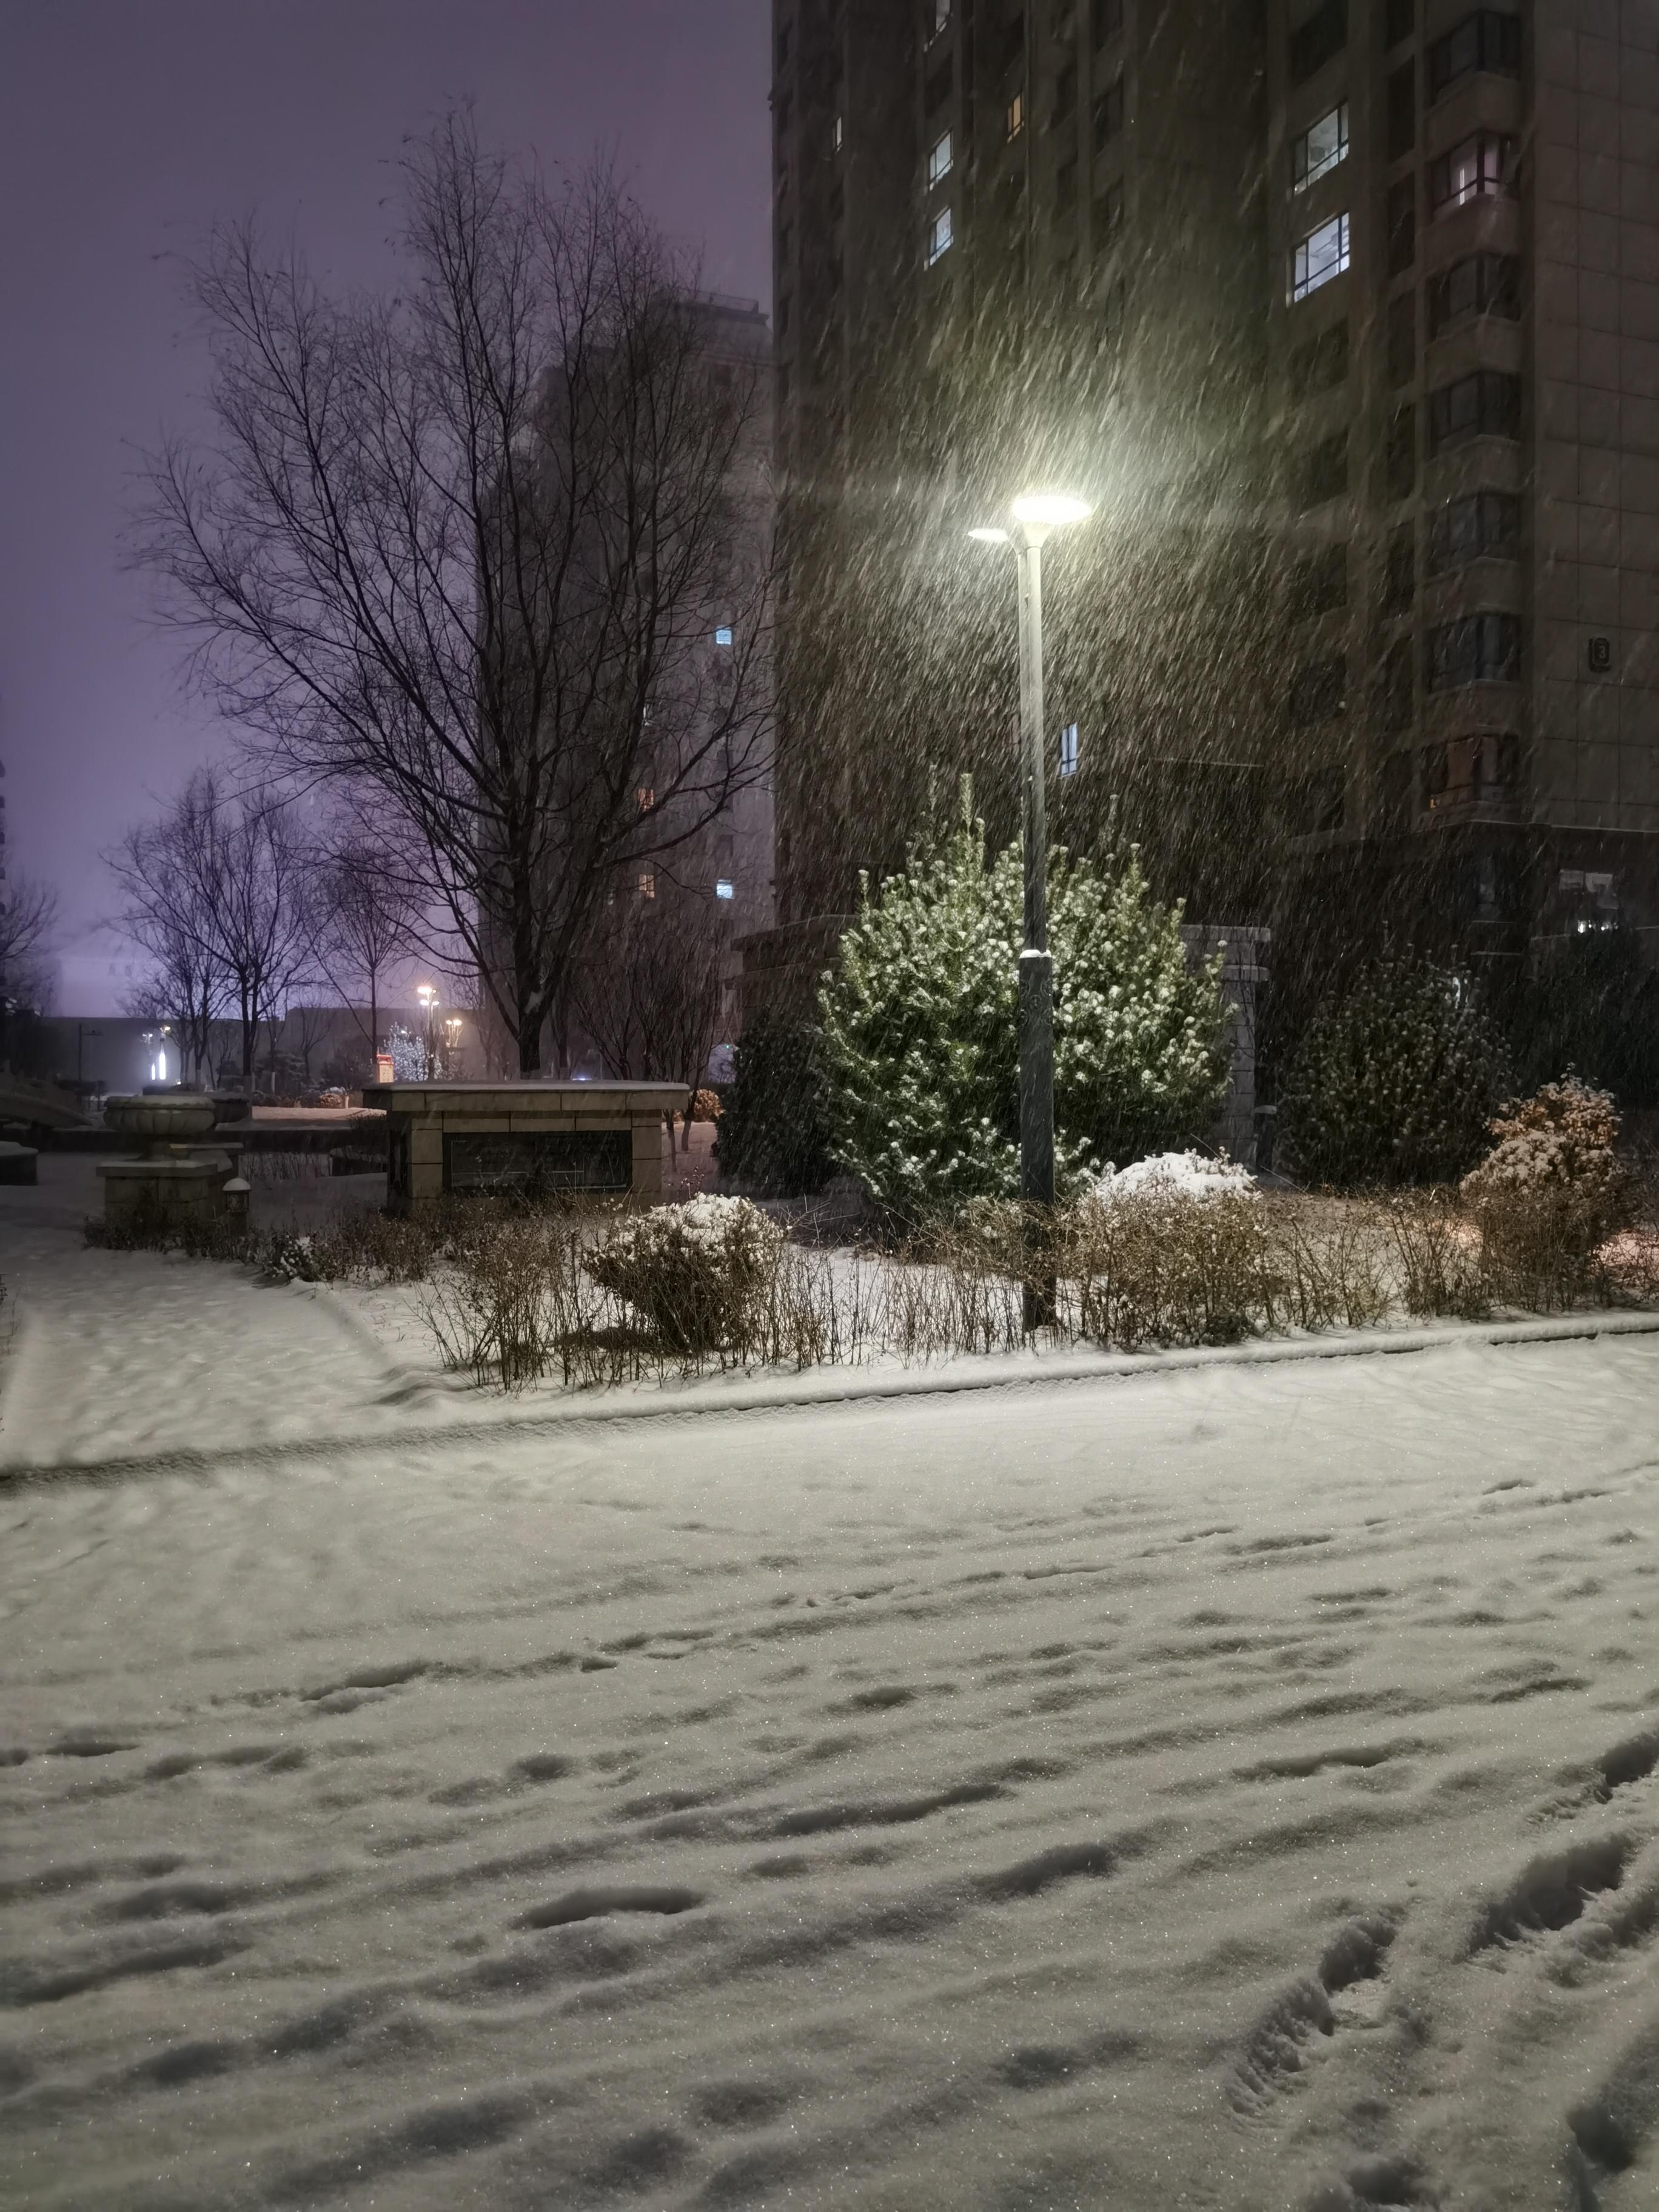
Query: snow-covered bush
(1394, 1082)
(921, 1026)
(1552, 1190)
(1186, 1175)
(694, 1273)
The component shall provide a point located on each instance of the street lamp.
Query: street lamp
(427, 993)
(1036, 516)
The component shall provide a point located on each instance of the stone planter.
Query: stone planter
(176, 1180)
(181, 1117)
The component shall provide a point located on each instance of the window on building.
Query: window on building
(1013, 41)
(1324, 471)
(937, 88)
(1320, 365)
(1108, 20)
(1108, 114)
(1319, 40)
(1402, 110)
(646, 797)
(1320, 147)
(1395, 695)
(1108, 218)
(1399, 570)
(1400, 454)
(939, 159)
(1484, 648)
(1321, 256)
(1314, 803)
(1318, 692)
(1488, 39)
(723, 635)
(1479, 168)
(1402, 339)
(725, 888)
(1479, 284)
(940, 10)
(1016, 116)
(1401, 22)
(1066, 93)
(1394, 792)
(1434, 773)
(837, 133)
(1068, 749)
(940, 234)
(647, 883)
(1401, 221)
(1482, 526)
(1485, 404)
(1319, 582)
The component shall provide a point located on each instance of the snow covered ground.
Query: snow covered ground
(1235, 1787)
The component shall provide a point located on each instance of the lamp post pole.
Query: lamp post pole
(1036, 967)
(1036, 515)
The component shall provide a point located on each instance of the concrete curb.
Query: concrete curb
(815, 1390)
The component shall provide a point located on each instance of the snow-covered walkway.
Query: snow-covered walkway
(1235, 1790)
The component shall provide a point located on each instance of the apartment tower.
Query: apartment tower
(1376, 284)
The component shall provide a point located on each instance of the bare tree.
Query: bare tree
(648, 994)
(220, 892)
(468, 547)
(370, 921)
(28, 914)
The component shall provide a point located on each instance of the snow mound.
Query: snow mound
(1177, 1175)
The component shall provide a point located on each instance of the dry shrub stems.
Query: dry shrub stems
(604, 1292)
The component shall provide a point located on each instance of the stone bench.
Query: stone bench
(455, 1138)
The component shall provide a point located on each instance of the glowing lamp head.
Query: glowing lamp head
(989, 537)
(1051, 510)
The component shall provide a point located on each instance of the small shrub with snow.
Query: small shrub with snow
(695, 1273)
(1394, 1082)
(1550, 1192)
(1176, 1174)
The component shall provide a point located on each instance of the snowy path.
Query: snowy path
(1235, 1790)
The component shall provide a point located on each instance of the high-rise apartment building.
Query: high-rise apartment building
(1374, 286)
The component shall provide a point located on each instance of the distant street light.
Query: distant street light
(1036, 516)
(452, 1045)
(427, 993)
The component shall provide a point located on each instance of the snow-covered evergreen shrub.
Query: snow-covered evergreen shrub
(775, 1114)
(921, 1027)
(1551, 1191)
(694, 1273)
(1393, 1082)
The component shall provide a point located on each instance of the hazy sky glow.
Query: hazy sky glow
(126, 127)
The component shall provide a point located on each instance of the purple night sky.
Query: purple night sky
(127, 126)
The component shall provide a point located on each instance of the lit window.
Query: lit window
(1068, 749)
(939, 162)
(1320, 147)
(724, 888)
(1016, 115)
(1477, 169)
(723, 635)
(1319, 257)
(940, 232)
(647, 883)
(647, 798)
